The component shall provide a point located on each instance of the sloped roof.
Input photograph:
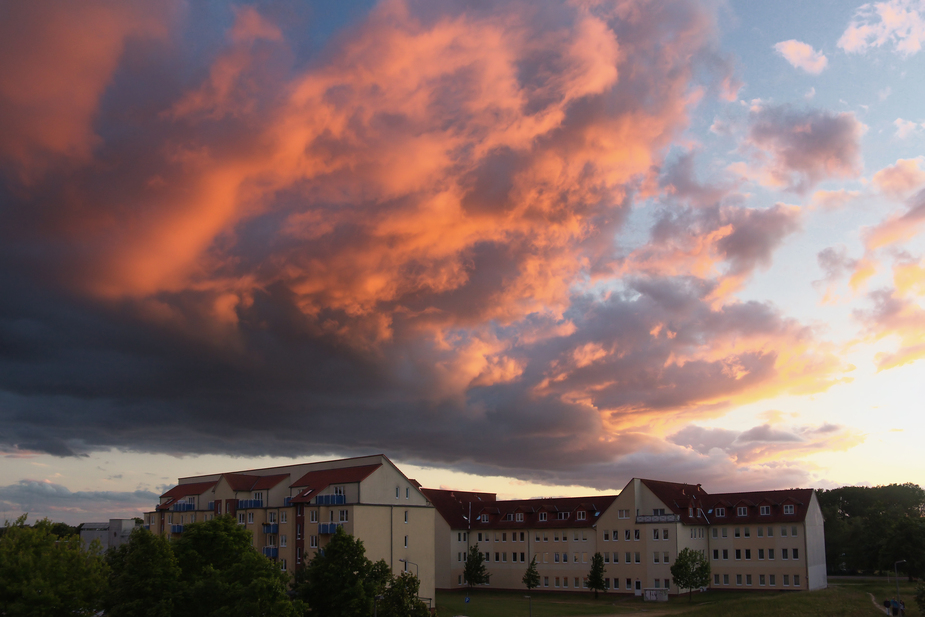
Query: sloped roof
(314, 482)
(453, 506)
(798, 497)
(184, 490)
(247, 482)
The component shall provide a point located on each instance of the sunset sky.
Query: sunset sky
(536, 248)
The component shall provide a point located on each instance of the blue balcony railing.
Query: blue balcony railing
(326, 528)
(270, 528)
(287, 501)
(183, 507)
(244, 504)
(211, 505)
(271, 551)
(330, 500)
(176, 529)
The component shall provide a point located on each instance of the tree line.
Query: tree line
(212, 569)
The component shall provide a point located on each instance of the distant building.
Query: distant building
(111, 534)
(759, 540)
(292, 511)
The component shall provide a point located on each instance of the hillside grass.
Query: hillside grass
(843, 598)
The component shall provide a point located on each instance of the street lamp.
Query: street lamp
(531, 605)
(417, 569)
(896, 573)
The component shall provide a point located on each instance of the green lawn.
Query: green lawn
(843, 598)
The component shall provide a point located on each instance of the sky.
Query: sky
(535, 248)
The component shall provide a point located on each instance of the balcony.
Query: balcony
(244, 504)
(330, 500)
(270, 551)
(183, 507)
(176, 529)
(328, 528)
(658, 518)
(211, 505)
(270, 528)
(287, 501)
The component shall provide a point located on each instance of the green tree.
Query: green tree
(340, 581)
(43, 574)
(144, 577)
(222, 574)
(905, 541)
(920, 597)
(690, 570)
(400, 598)
(475, 572)
(532, 576)
(596, 575)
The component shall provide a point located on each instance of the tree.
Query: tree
(221, 573)
(920, 597)
(690, 570)
(596, 575)
(532, 576)
(44, 574)
(906, 542)
(401, 599)
(144, 577)
(341, 581)
(475, 572)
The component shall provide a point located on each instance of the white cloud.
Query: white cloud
(905, 128)
(897, 22)
(802, 56)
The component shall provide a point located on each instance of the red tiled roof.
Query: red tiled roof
(679, 497)
(316, 481)
(798, 497)
(184, 490)
(453, 506)
(268, 482)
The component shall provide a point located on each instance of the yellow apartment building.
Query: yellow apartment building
(754, 540)
(292, 511)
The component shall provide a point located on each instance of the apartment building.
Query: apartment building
(292, 511)
(757, 540)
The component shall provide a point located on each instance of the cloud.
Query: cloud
(905, 128)
(405, 240)
(833, 200)
(902, 178)
(44, 499)
(795, 150)
(802, 56)
(900, 23)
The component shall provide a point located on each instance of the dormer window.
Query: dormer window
(542, 517)
(690, 512)
(721, 512)
(581, 515)
(788, 508)
(742, 511)
(561, 516)
(509, 516)
(339, 490)
(764, 510)
(484, 518)
(520, 517)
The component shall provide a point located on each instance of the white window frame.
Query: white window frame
(788, 508)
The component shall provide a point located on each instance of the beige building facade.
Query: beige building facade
(755, 540)
(293, 511)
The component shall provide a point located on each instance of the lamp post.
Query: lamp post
(530, 603)
(376, 605)
(896, 573)
(417, 569)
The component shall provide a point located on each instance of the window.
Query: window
(760, 553)
(783, 553)
(509, 516)
(658, 511)
(690, 512)
(397, 492)
(561, 516)
(606, 536)
(796, 580)
(520, 517)
(339, 490)
(764, 511)
(748, 579)
(271, 517)
(655, 534)
(725, 553)
(720, 512)
(664, 534)
(788, 508)
(742, 511)
(521, 558)
(557, 581)
(786, 580)
(761, 580)
(313, 541)
(737, 533)
(497, 555)
(623, 514)
(716, 579)
(565, 581)
(796, 553)
(576, 582)
(628, 558)
(655, 557)
(606, 557)
(748, 532)
(629, 583)
(408, 493)
(545, 537)
(725, 532)
(283, 517)
(240, 518)
(556, 557)
(282, 564)
(575, 558)
(581, 516)
(555, 537)
(770, 553)
(545, 581)
(637, 557)
(771, 580)
(761, 532)
(250, 518)
(283, 540)
(626, 535)
(484, 518)
(783, 532)
(770, 532)
(738, 553)
(793, 531)
(258, 496)
(298, 532)
(504, 537)
(738, 579)
(636, 534)
(748, 553)
(715, 534)
(313, 516)
(716, 554)
(542, 517)
(521, 536)
(725, 579)
(343, 515)
(665, 557)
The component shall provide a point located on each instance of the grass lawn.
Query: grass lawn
(843, 598)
